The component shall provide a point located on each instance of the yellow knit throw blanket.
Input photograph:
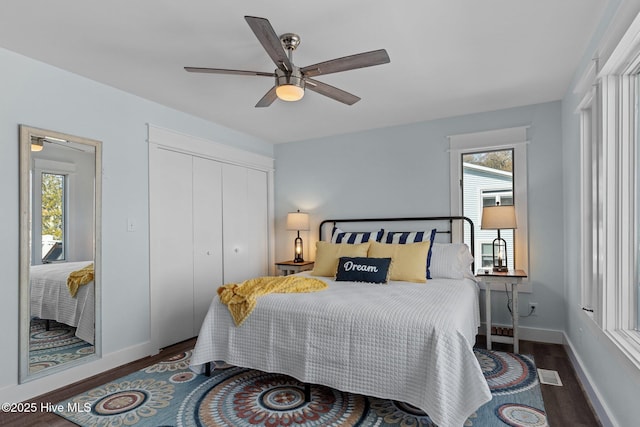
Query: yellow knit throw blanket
(78, 278)
(241, 298)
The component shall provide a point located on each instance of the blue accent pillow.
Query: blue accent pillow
(360, 269)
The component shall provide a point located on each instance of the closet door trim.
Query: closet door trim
(201, 147)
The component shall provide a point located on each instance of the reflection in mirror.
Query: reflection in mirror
(60, 191)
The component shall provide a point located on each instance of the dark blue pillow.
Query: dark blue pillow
(360, 269)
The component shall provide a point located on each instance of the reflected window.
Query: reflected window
(53, 217)
(487, 255)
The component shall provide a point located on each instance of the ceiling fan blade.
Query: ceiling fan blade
(359, 60)
(270, 41)
(268, 98)
(225, 71)
(331, 91)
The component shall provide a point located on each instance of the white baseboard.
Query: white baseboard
(19, 392)
(592, 392)
(550, 336)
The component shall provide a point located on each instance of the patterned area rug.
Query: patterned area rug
(52, 347)
(169, 394)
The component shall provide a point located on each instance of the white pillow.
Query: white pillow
(450, 261)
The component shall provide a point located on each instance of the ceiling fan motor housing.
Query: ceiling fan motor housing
(292, 78)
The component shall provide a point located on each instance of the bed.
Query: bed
(407, 341)
(50, 298)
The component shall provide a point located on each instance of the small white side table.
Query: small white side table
(290, 267)
(513, 278)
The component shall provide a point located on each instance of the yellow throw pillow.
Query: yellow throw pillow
(408, 261)
(328, 255)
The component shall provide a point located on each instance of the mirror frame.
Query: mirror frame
(26, 132)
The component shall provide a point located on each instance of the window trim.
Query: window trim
(515, 139)
(617, 252)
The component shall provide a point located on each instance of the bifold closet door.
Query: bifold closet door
(171, 246)
(245, 223)
(207, 236)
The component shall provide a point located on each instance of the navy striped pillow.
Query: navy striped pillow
(404, 237)
(339, 236)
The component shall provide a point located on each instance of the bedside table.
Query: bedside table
(290, 267)
(513, 278)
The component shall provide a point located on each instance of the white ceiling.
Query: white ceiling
(448, 57)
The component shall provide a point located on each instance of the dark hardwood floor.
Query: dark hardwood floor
(565, 406)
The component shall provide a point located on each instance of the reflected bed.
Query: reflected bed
(50, 298)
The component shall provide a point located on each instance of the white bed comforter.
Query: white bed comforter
(50, 298)
(410, 342)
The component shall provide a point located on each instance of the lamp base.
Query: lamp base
(298, 259)
(500, 269)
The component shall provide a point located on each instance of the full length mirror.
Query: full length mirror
(60, 190)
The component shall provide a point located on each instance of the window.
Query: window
(636, 218)
(591, 203)
(610, 188)
(487, 180)
(489, 168)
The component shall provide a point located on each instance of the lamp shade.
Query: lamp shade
(498, 217)
(297, 221)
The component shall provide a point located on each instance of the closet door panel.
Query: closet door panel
(257, 223)
(207, 236)
(171, 246)
(234, 228)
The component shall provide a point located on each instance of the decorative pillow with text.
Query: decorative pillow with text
(359, 269)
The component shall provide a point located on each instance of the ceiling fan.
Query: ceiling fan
(291, 81)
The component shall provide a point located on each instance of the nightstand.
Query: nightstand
(513, 278)
(290, 267)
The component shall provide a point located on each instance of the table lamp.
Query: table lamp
(499, 217)
(298, 221)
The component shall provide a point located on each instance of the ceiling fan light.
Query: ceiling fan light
(37, 144)
(290, 92)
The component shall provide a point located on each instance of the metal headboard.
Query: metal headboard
(449, 219)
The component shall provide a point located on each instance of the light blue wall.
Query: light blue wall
(616, 380)
(42, 96)
(404, 171)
